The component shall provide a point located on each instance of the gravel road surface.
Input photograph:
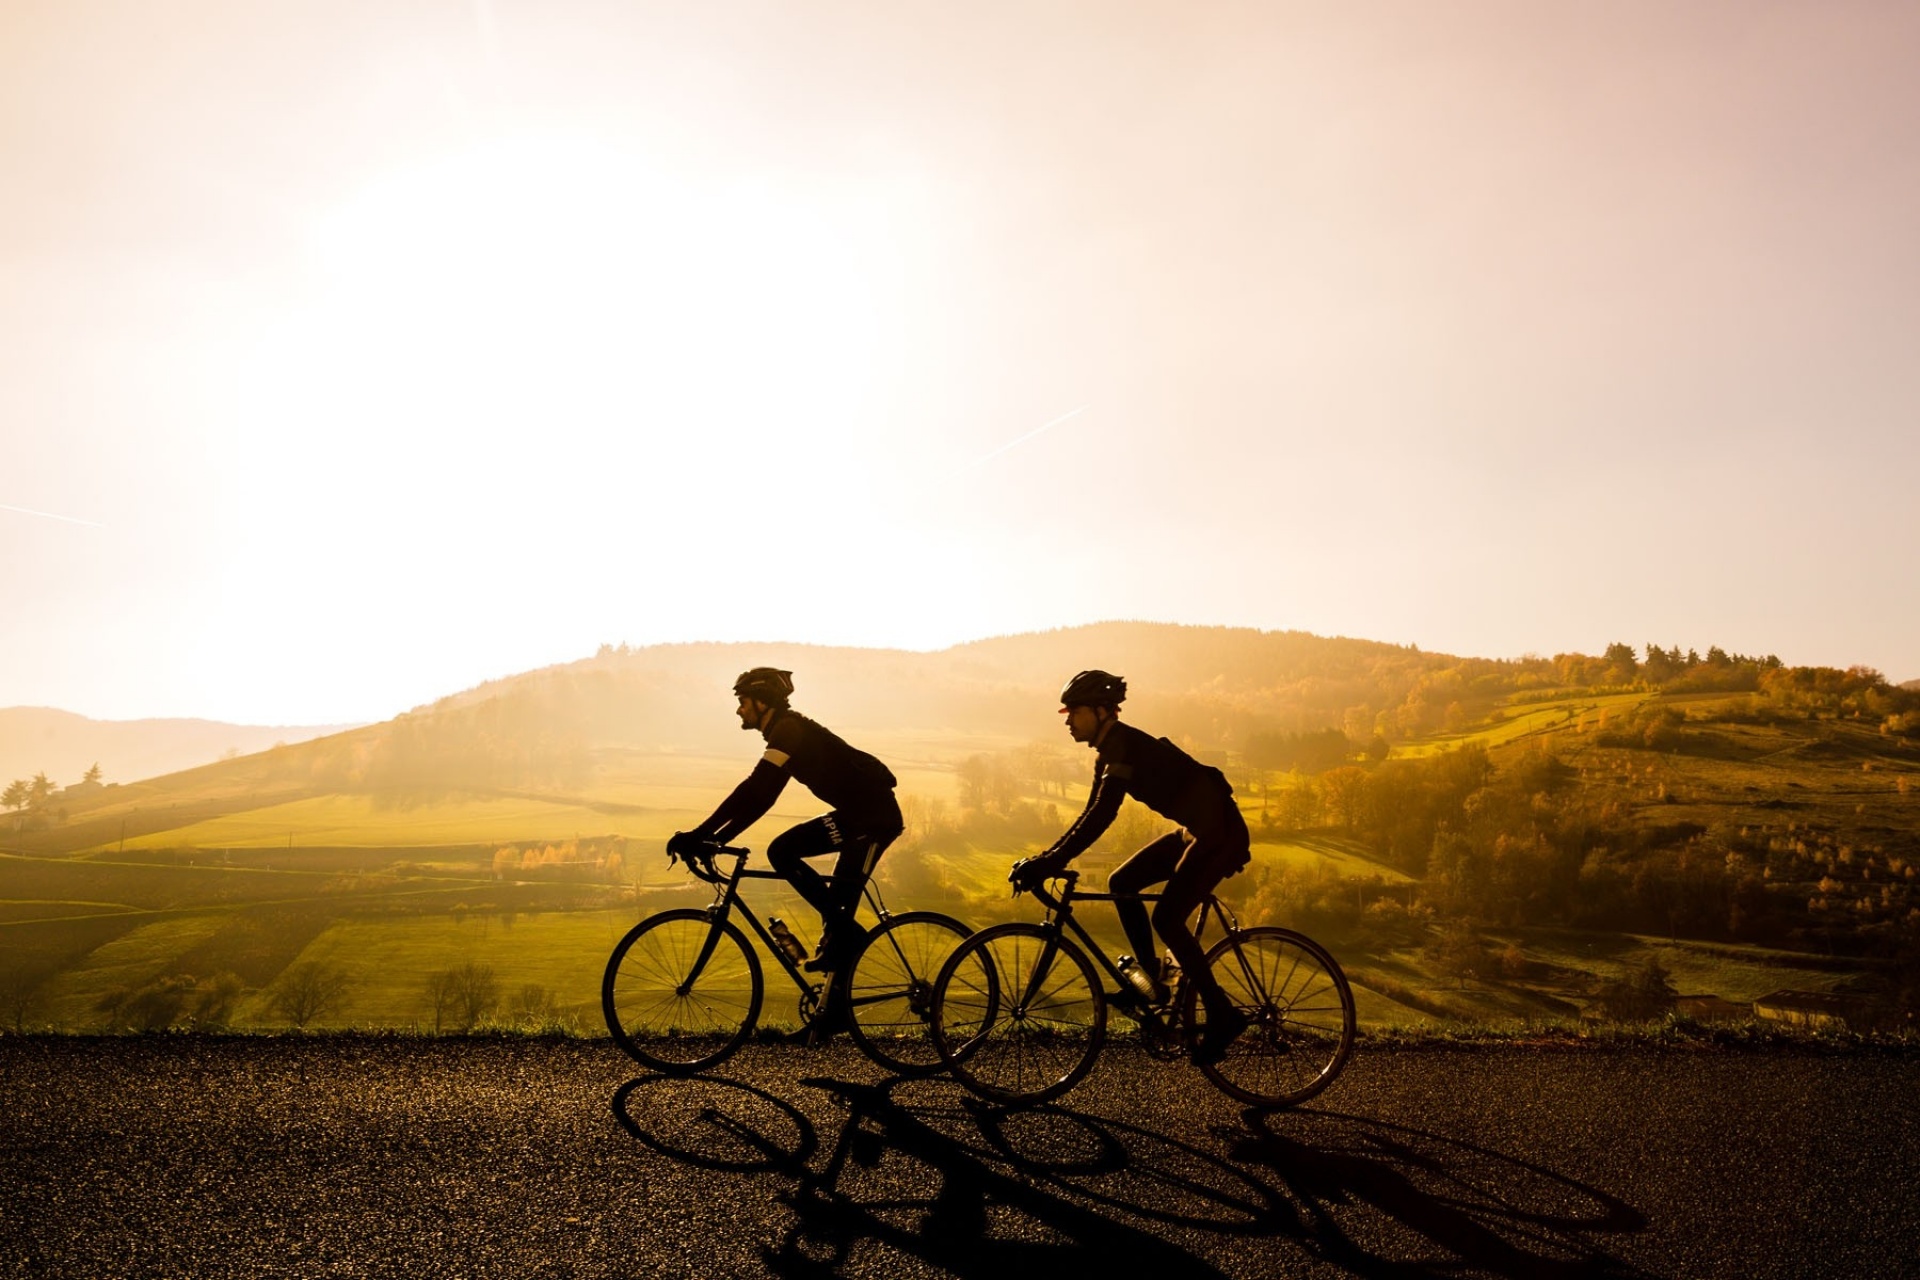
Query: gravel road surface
(207, 1157)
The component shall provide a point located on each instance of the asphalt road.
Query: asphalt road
(200, 1157)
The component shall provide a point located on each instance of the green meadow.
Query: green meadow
(1485, 842)
(1518, 720)
(388, 919)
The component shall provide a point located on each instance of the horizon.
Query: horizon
(342, 724)
(363, 356)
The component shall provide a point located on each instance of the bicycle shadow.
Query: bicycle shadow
(1478, 1208)
(870, 1192)
(718, 1124)
(983, 1191)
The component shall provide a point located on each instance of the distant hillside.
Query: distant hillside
(593, 730)
(1444, 822)
(64, 746)
(1223, 691)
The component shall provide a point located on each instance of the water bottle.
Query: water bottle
(1139, 980)
(784, 939)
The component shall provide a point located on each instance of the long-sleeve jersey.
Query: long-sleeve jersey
(1155, 772)
(852, 782)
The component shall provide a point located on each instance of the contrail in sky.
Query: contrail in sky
(48, 515)
(977, 463)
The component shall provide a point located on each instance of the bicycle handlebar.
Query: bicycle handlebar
(700, 861)
(1034, 886)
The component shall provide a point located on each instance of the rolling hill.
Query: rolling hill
(64, 746)
(1436, 817)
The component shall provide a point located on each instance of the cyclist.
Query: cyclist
(1212, 844)
(864, 821)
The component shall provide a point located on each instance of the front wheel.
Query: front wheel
(682, 991)
(1300, 1022)
(1019, 1014)
(889, 990)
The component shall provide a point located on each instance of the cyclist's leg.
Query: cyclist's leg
(1185, 890)
(788, 853)
(1148, 867)
(1219, 850)
(862, 841)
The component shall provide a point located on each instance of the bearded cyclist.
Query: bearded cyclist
(1212, 844)
(864, 821)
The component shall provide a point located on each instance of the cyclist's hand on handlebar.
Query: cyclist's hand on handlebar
(683, 844)
(1029, 872)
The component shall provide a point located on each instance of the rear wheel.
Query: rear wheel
(1018, 1014)
(889, 990)
(1300, 1021)
(666, 1014)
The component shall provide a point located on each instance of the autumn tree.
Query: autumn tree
(1342, 793)
(1622, 665)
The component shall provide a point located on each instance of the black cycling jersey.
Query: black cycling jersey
(853, 783)
(1154, 771)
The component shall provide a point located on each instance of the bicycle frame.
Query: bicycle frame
(1020, 1017)
(727, 899)
(1060, 912)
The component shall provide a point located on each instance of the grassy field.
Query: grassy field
(242, 876)
(1527, 719)
(388, 932)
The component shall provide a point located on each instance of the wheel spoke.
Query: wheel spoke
(889, 990)
(1301, 1016)
(1019, 1014)
(664, 1014)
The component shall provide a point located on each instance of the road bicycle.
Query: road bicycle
(1020, 1013)
(683, 989)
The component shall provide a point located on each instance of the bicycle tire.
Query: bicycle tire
(1019, 1014)
(889, 990)
(1300, 1018)
(660, 1020)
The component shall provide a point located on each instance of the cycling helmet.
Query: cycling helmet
(1094, 688)
(765, 684)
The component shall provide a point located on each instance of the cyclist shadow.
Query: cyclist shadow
(982, 1191)
(872, 1189)
(1474, 1207)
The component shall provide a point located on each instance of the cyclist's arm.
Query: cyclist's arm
(1103, 805)
(749, 801)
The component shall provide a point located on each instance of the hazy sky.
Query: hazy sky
(354, 353)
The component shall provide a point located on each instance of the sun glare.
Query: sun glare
(550, 321)
(562, 275)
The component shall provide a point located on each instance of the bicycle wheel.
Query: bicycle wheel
(663, 1013)
(1018, 1014)
(889, 990)
(1299, 1011)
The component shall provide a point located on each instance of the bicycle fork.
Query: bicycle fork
(716, 917)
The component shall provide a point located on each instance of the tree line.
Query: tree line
(31, 799)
